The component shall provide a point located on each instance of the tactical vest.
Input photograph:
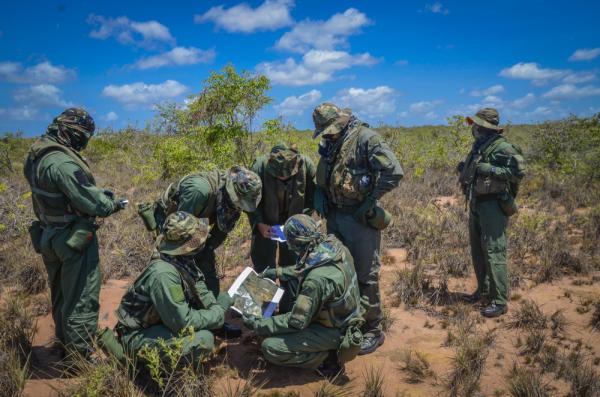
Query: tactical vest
(50, 205)
(345, 309)
(137, 311)
(296, 198)
(347, 181)
(169, 200)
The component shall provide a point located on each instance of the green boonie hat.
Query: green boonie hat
(183, 234)
(330, 119)
(244, 188)
(487, 118)
(301, 230)
(283, 161)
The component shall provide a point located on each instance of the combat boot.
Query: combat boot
(371, 341)
(331, 367)
(493, 310)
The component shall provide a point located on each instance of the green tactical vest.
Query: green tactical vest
(271, 198)
(50, 205)
(347, 180)
(345, 309)
(136, 310)
(170, 198)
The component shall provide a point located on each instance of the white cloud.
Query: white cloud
(126, 31)
(111, 116)
(570, 91)
(373, 102)
(531, 71)
(43, 72)
(579, 77)
(523, 102)
(22, 113)
(495, 89)
(44, 95)
(270, 15)
(424, 107)
(323, 35)
(177, 56)
(142, 94)
(295, 105)
(585, 54)
(437, 8)
(316, 67)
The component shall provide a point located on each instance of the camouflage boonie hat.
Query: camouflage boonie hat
(183, 234)
(487, 118)
(244, 188)
(330, 119)
(283, 161)
(300, 231)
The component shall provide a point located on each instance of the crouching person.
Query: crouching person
(170, 295)
(322, 330)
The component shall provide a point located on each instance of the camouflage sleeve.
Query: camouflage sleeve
(167, 295)
(82, 194)
(193, 195)
(307, 305)
(311, 174)
(286, 273)
(383, 162)
(256, 217)
(508, 164)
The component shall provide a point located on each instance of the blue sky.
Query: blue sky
(403, 62)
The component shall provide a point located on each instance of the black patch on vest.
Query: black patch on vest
(82, 178)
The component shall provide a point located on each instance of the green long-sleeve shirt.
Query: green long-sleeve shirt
(161, 283)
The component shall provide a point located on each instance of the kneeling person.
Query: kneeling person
(322, 330)
(170, 295)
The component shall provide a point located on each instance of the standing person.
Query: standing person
(355, 170)
(170, 296)
(322, 330)
(490, 178)
(288, 188)
(66, 203)
(217, 195)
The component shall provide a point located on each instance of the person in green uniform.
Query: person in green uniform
(66, 202)
(288, 188)
(216, 195)
(170, 299)
(322, 330)
(355, 170)
(490, 178)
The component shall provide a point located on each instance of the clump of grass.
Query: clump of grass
(534, 342)
(585, 381)
(387, 319)
(416, 366)
(558, 323)
(409, 285)
(469, 362)
(462, 322)
(329, 388)
(32, 277)
(13, 374)
(524, 382)
(548, 358)
(240, 388)
(528, 316)
(374, 383)
(17, 327)
(595, 321)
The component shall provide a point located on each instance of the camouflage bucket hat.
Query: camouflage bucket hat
(244, 188)
(330, 119)
(487, 118)
(183, 234)
(283, 161)
(300, 231)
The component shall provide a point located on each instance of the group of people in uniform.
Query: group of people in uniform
(331, 311)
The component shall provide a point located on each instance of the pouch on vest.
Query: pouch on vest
(108, 342)
(35, 232)
(146, 212)
(380, 218)
(488, 185)
(81, 235)
(354, 184)
(350, 346)
(507, 204)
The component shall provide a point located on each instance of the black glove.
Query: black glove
(366, 208)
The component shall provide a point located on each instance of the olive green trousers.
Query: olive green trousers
(74, 279)
(487, 233)
(307, 348)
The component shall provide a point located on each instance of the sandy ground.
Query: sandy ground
(411, 329)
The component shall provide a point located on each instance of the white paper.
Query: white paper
(254, 295)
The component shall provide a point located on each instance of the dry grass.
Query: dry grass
(468, 365)
(374, 383)
(415, 366)
(525, 382)
(528, 316)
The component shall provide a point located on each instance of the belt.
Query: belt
(486, 197)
